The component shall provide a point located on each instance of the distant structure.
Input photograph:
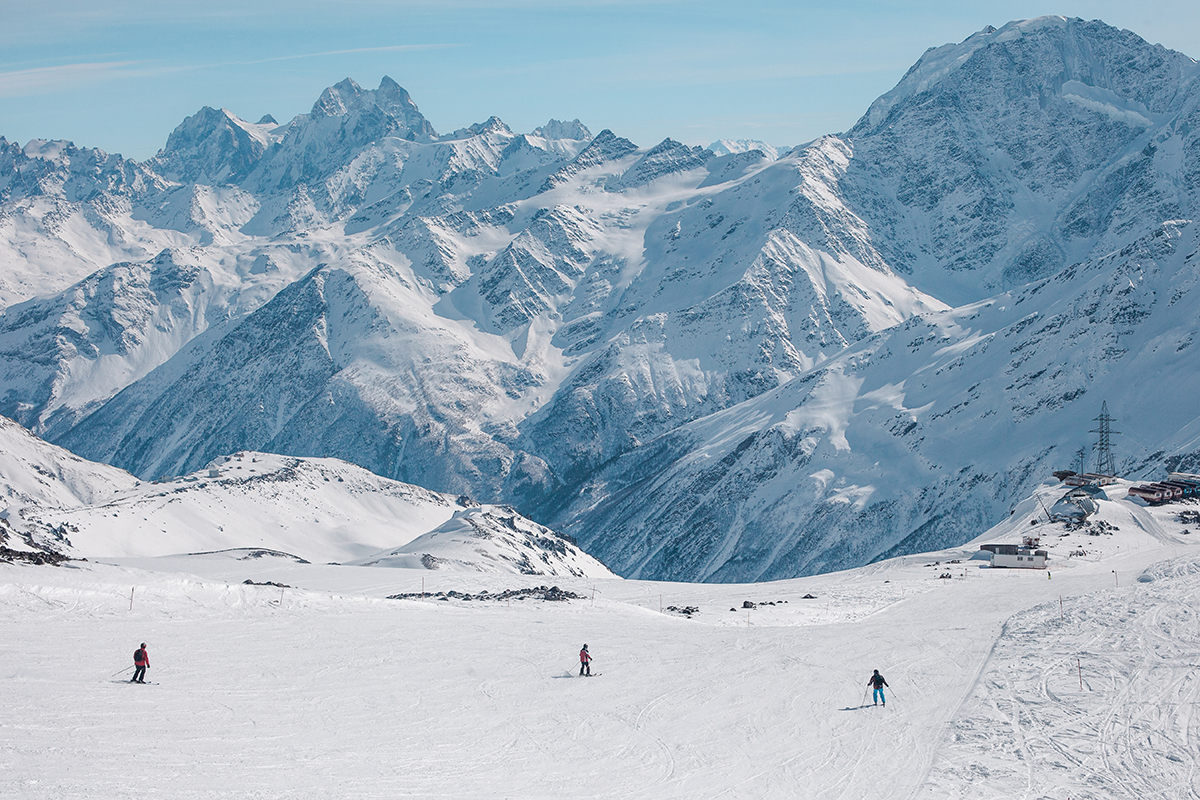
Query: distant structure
(1011, 556)
(1177, 486)
(1078, 504)
(1105, 464)
(1081, 461)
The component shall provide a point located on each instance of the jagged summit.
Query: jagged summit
(595, 331)
(346, 96)
(213, 146)
(556, 129)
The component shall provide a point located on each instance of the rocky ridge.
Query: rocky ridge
(574, 325)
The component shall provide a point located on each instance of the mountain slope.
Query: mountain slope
(914, 438)
(572, 324)
(250, 505)
(1002, 159)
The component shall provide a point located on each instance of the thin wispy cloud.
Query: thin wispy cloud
(397, 48)
(24, 82)
(45, 80)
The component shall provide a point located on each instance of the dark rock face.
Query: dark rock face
(548, 593)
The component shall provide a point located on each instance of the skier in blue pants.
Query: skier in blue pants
(878, 682)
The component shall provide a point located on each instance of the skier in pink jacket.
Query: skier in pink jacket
(585, 662)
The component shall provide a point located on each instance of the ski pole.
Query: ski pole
(115, 674)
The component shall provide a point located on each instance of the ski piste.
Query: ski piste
(1133, 644)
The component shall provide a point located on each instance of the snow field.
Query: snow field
(333, 691)
(1096, 698)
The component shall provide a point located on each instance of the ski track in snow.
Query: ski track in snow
(1030, 724)
(331, 691)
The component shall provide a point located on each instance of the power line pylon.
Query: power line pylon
(1105, 464)
(1081, 460)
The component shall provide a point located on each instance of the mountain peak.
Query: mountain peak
(1048, 52)
(339, 99)
(493, 125)
(556, 129)
(725, 147)
(346, 97)
(211, 146)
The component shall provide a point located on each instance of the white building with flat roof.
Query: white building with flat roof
(1012, 556)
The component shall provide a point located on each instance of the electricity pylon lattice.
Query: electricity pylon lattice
(1105, 464)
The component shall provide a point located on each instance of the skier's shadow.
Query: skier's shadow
(856, 708)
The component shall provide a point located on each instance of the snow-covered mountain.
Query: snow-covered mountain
(919, 436)
(725, 147)
(249, 505)
(492, 539)
(1020, 151)
(33, 472)
(599, 333)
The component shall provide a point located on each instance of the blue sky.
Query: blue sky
(121, 74)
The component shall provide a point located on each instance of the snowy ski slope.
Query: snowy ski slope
(328, 689)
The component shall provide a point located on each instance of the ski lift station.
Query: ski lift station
(1013, 556)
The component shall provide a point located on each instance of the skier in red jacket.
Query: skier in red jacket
(141, 660)
(585, 662)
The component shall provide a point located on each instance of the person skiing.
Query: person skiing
(878, 682)
(585, 662)
(141, 661)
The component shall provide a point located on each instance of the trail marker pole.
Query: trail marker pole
(593, 596)
(1116, 581)
(131, 597)
(1061, 617)
(1080, 668)
(280, 595)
